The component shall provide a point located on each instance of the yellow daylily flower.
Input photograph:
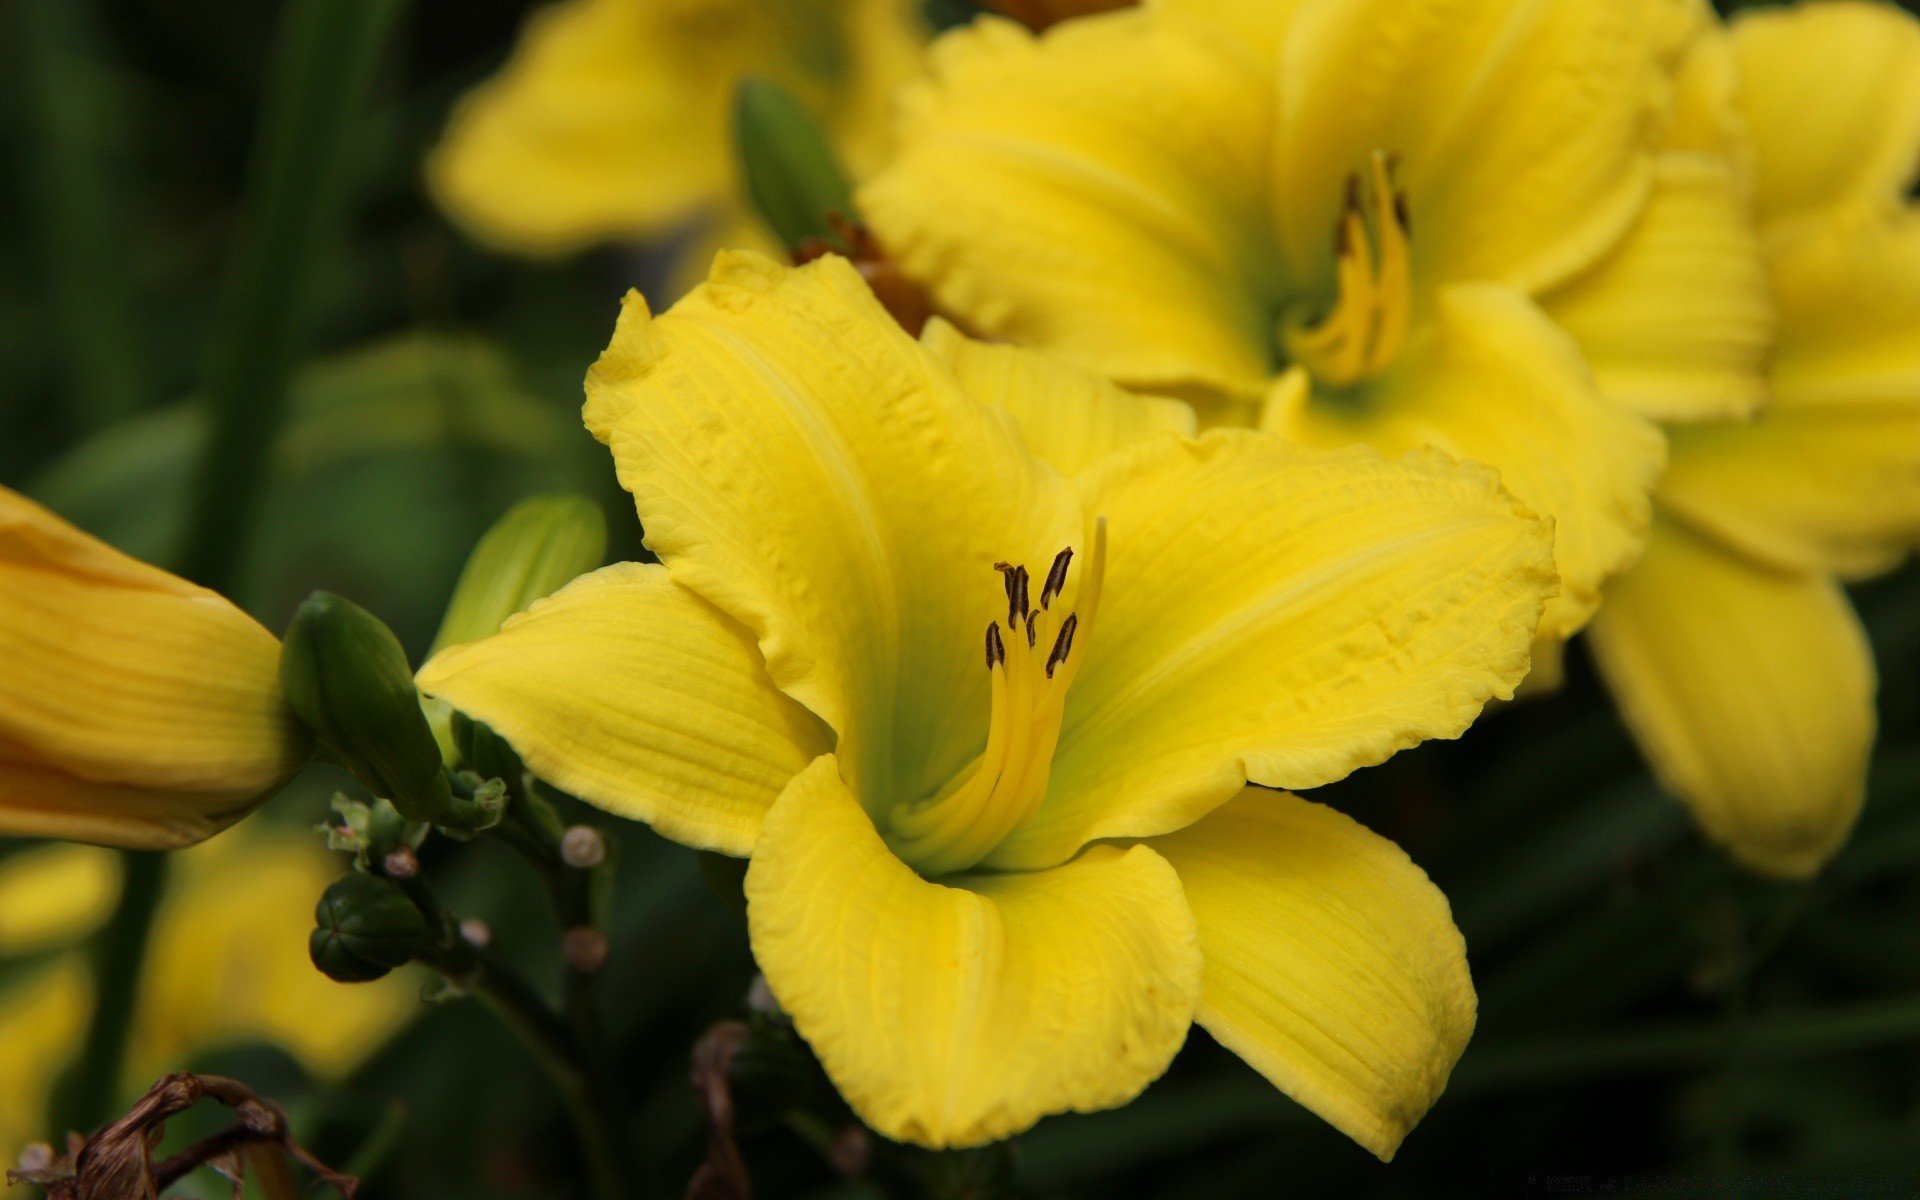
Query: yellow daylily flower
(1731, 648)
(1396, 222)
(974, 655)
(136, 709)
(227, 963)
(611, 119)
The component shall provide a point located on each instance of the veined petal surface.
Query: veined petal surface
(1499, 384)
(1332, 963)
(123, 682)
(1285, 616)
(1098, 191)
(631, 692)
(1523, 130)
(1677, 321)
(1831, 93)
(957, 1015)
(1749, 689)
(807, 467)
(1068, 417)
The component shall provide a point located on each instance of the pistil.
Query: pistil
(1032, 664)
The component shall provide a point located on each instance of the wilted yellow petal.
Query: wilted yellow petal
(611, 120)
(633, 693)
(1751, 692)
(1068, 417)
(805, 465)
(1284, 616)
(1677, 321)
(1097, 191)
(1499, 384)
(52, 895)
(1831, 93)
(1523, 130)
(135, 708)
(1332, 962)
(956, 1015)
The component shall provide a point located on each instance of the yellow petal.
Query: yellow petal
(135, 707)
(1749, 690)
(1706, 95)
(1285, 616)
(1523, 130)
(1677, 321)
(228, 963)
(53, 895)
(1501, 385)
(1069, 417)
(1098, 192)
(1848, 285)
(1831, 94)
(956, 1015)
(814, 472)
(633, 693)
(611, 119)
(1332, 962)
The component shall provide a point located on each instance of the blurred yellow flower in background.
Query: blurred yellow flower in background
(1731, 648)
(1366, 215)
(136, 709)
(611, 120)
(227, 964)
(990, 765)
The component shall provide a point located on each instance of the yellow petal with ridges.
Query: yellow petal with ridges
(958, 1013)
(1831, 93)
(1677, 321)
(1751, 692)
(806, 466)
(1332, 963)
(1523, 131)
(1069, 417)
(634, 694)
(1281, 615)
(1500, 384)
(1098, 192)
(135, 708)
(611, 119)
(1848, 284)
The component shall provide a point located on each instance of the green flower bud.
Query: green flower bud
(345, 675)
(793, 177)
(364, 927)
(539, 545)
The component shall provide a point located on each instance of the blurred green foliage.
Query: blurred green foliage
(1649, 1016)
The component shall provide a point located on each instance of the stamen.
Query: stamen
(1032, 633)
(1373, 273)
(1056, 577)
(1015, 579)
(1063, 645)
(996, 650)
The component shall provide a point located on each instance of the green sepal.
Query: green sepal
(792, 174)
(537, 547)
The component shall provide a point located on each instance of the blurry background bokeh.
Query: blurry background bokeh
(1645, 1008)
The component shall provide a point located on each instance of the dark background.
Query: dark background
(1651, 1020)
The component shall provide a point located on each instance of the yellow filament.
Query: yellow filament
(1374, 272)
(1003, 787)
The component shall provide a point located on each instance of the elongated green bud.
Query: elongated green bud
(364, 927)
(346, 677)
(793, 177)
(539, 545)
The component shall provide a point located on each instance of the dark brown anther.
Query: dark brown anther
(1401, 214)
(1032, 633)
(1063, 645)
(1016, 580)
(1056, 577)
(996, 651)
(1352, 203)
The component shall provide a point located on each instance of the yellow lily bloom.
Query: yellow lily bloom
(136, 709)
(974, 655)
(611, 119)
(1731, 647)
(228, 963)
(1395, 222)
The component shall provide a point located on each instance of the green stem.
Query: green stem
(322, 66)
(120, 956)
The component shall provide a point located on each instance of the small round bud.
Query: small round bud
(585, 949)
(36, 1156)
(401, 864)
(364, 927)
(476, 933)
(582, 847)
